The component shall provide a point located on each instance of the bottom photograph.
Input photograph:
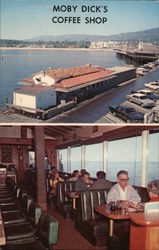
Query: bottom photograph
(79, 187)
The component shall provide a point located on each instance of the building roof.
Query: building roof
(120, 69)
(80, 80)
(32, 90)
(28, 81)
(60, 74)
(78, 77)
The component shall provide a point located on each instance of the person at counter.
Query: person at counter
(83, 182)
(101, 182)
(123, 191)
(153, 190)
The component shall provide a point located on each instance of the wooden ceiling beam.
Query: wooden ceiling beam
(16, 141)
(119, 133)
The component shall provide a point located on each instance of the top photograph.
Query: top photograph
(79, 61)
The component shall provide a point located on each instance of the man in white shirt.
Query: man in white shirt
(123, 191)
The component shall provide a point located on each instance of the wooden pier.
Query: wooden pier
(138, 57)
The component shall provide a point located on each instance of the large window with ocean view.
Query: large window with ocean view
(75, 158)
(125, 154)
(63, 160)
(153, 157)
(94, 158)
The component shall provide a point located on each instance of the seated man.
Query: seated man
(153, 190)
(123, 191)
(83, 182)
(101, 182)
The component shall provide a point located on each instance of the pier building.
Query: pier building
(55, 87)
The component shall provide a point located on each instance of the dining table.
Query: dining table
(105, 211)
(74, 196)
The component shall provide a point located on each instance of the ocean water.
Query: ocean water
(133, 168)
(19, 64)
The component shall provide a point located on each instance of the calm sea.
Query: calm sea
(133, 168)
(19, 64)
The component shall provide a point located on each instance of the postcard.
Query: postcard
(87, 61)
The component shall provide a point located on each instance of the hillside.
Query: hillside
(146, 35)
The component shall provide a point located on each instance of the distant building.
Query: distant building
(106, 44)
(99, 45)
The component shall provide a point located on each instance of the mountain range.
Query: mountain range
(145, 35)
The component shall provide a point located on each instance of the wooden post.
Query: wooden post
(145, 135)
(105, 156)
(40, 165)
(83, 157)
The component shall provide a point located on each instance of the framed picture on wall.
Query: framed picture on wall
(6, 154)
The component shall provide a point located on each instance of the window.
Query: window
(75, 158)
(32, 158)
(153, 157)
(63, 160)
(94, 158)
(125, 155)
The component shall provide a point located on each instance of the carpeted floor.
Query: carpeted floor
(69, 238)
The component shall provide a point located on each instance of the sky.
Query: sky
(24, 19)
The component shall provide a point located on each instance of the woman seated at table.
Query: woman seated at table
(75, 175)
(54, 180)
(153, 190)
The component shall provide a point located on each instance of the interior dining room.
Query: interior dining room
(57, 184)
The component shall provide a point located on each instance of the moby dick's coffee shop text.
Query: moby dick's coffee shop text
(95, 14)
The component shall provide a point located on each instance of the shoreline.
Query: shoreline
(56, 49)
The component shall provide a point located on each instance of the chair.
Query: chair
(18, 217)
(46, 236)
(13, 206)
(47, 231)
(19, 233)
(34, 214)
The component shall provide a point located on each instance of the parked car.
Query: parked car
(127, 113)
(141, 100)
(141, 71)
(155, 113)
(149, 93)
(153, 85)
(146, 66)
(151, 65)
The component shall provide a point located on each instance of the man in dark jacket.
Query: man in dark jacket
(101, 182)
(83, 182)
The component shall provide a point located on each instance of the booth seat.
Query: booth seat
(143, 193)
(89, 223)
(94, 227)
(63, 204)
